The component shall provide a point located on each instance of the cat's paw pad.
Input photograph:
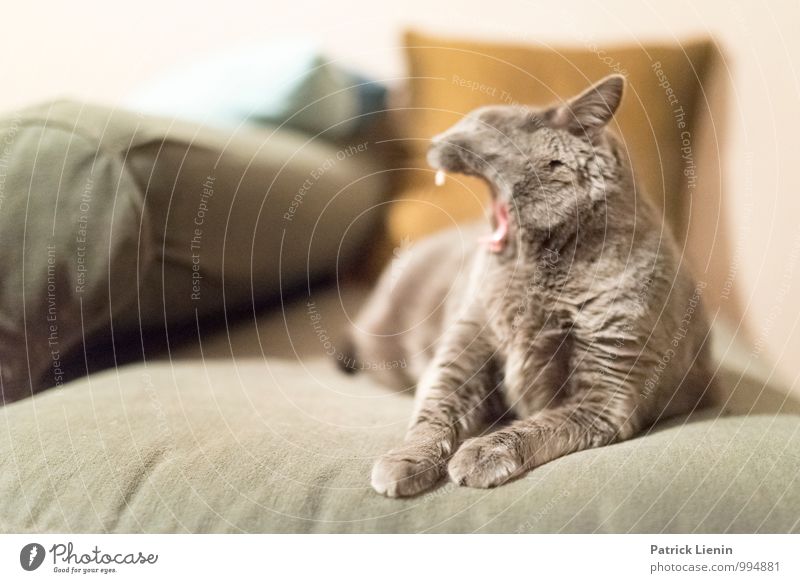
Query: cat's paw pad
(484, 462)
(402, 473)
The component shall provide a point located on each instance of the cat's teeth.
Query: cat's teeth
(440, 177)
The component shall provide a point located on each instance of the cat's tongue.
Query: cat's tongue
(497, 240)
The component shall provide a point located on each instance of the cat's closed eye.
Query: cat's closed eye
(553, 164)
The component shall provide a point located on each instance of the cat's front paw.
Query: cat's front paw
(484, 462)
(406, 471)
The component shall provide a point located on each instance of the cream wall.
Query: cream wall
(97, 51)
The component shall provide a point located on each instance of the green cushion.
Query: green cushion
(273, 446)
(111, 222)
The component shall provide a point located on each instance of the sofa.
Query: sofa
(172, 302)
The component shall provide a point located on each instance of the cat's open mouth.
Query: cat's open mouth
(497, 240)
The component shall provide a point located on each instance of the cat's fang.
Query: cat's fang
(496, 242)
(440, 177)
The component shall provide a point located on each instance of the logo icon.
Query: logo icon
(31, 556)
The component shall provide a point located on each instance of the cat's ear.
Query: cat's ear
(588, 113)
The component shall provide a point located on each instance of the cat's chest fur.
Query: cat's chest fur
(530, 308)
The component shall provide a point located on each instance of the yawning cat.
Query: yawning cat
(571, 326)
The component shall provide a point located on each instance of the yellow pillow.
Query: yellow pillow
(449, 78)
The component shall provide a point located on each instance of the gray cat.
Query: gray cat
(571, 326)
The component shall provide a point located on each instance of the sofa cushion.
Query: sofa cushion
(253, 429)
(276, 446)
(112, 222)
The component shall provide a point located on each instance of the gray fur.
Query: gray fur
(584, 328)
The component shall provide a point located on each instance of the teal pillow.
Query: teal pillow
(285, 82)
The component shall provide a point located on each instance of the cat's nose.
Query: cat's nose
(447, 151)
(445, 144)
(433, 157)
(447, 138)
(437, 139)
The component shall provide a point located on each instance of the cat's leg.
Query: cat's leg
(597, 415)
(453, 397)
